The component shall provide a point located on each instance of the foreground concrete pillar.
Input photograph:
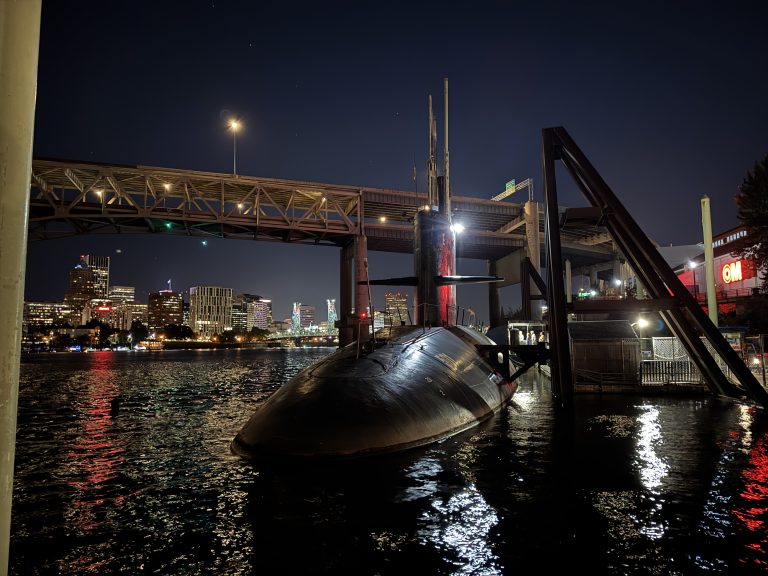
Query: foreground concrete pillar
(19, 42)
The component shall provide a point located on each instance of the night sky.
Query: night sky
(669, 101)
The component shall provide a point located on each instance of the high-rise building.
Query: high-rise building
(100, 267)
(210, 310)
(82, 289)
(164, 308)
(307, 315)
(259, 314)
(251, 311)
(396, 309)
(122, 293)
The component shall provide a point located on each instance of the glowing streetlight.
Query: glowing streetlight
(692, 265)
(234, 125)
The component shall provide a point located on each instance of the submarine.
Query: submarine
(399, 387)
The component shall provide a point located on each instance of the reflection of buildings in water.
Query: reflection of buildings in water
(93, 458)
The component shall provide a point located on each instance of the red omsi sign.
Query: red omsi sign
(737, 271)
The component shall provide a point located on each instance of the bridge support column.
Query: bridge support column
(362, 302)
(533, 239)
(19, 45)
(344, 323)
(494, 304)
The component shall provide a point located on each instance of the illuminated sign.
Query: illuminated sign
(104, 308)
(731, 272)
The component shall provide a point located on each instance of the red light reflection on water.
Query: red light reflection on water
(755, 492)
(95, 460)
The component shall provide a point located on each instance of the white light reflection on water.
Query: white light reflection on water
(653, 468)
(458, 521)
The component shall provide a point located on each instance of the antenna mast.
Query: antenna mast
(431, 163)
(446, 207)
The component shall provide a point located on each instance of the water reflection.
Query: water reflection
(653, 468)
(623, 486)
(457, 521)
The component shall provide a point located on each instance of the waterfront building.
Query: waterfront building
(45, 314)
(736, 278)
(210, 310)
(259, 314)
(164, 308)
(396, 308)
(250, 311)
(239, 316)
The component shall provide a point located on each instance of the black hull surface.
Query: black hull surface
(413, 387)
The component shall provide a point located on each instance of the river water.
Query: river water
(147, 485)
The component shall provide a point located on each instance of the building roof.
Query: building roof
(601, 330)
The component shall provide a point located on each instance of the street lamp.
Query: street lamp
(234, 125)
(692, 265)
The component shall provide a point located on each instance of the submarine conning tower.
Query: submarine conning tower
(434, 240)
(434, 256)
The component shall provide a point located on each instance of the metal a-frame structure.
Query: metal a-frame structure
(678, 309)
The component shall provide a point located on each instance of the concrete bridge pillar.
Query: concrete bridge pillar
(362, 301)
(344, 323)
(533, 239)
(494, 303)
(19, 46)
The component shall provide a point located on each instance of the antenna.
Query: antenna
(431, 164)
(446, 208)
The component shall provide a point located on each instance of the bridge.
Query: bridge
(72, 198)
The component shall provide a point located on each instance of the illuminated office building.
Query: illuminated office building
(210, 310)
(122, 293)
(164, 308)
(82, 289)
(100, 267)
(396, 309)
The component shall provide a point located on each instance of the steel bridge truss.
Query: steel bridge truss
(81, 198)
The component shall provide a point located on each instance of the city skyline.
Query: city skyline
(667, 101)
(186, 291)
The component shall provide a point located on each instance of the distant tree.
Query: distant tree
(138, 331)
(259, 333)
(177, 332)
(752, 202)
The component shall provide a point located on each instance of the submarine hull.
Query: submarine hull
(412, 387)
